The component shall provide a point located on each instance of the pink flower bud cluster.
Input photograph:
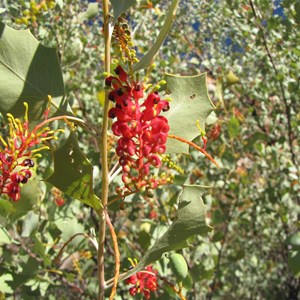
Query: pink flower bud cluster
(144, 282)
(142, 130)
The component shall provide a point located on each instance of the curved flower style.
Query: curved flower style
(144, 282)
(16, 154)
(143, 132)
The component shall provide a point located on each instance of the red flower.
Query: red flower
(144, 282)
(58, 197)
(215, 131)
(16, 154)
(142, 131)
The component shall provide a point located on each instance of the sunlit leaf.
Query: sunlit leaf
(73, 173)
(191, 220)
(28, 72)
(233, 127)
(5, 288)
(5, 237)
(190, 104)
(70, 227)
(91, 11)
(178, 266)
(30, 224)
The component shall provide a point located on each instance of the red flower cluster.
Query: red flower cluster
(58, 197)
(10, 182)
(144, 282)
(215, 131)
(142, 131)
(16, 156)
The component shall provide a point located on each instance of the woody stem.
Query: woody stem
(104, 155)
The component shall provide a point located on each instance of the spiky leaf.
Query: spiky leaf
(73, 173)
(191, 220)
(28, 72)
(190, 103)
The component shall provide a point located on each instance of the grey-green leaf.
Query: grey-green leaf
(178, 266)
(191, 220)
(91, 11)
(28, 72)
(30, 224)
(190, 103)
(233, 127)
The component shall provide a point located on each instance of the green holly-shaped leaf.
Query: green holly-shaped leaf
(28, 72)
(191, 220)
(190, 105)
(73, 173)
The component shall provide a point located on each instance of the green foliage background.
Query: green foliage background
(253, 199)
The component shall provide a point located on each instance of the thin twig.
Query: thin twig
(117, 255)
(58, 257)
(194, 146)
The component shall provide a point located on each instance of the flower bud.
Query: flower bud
(121, 73)
(28, 163)
(155, 161)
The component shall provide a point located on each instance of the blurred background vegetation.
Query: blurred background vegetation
(250, 50)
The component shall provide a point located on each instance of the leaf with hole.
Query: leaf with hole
(73, 173)
(190, 104)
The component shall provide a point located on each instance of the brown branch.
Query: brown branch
(117, 255)
(58, 257)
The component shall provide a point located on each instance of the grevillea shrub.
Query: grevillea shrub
(143, 125)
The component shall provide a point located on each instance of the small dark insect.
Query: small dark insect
(192, 96)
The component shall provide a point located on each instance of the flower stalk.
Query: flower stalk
(104, 154)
